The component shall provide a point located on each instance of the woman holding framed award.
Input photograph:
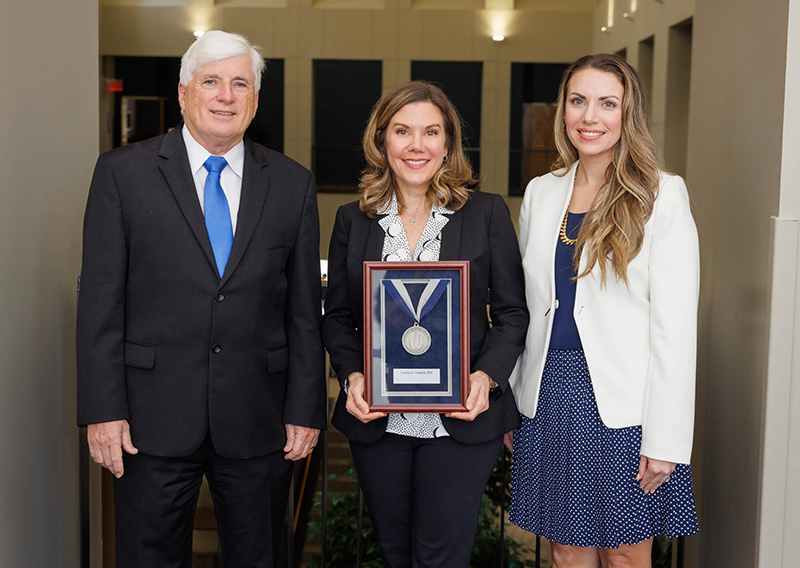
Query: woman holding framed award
(606, 383)
(423, 474)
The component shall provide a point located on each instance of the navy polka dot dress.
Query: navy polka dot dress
(574, 479)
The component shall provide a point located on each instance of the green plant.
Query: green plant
(486, 548)
(342, 528)
(341, 532)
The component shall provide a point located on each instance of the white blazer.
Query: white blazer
(640, 339)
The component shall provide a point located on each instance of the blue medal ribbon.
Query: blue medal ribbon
(430, 296)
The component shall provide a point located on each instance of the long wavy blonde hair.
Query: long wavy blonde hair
(613, 229)
(450, 185)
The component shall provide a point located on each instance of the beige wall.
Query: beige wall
(397, 33)
(734, 164)
(780, 463)
(48, 50)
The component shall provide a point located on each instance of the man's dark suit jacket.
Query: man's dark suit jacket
(165, 343)
(480, 232)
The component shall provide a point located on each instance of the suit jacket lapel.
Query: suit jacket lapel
(375, 237)
(255, 184)
(451, 237)
(175, 168)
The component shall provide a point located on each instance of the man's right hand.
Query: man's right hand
(106, 442)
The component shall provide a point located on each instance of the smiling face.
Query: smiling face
(219, 103)
(415, 145)
(593, 113)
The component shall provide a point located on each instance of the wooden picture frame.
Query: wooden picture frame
(416, 336)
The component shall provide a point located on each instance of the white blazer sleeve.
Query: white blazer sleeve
(668, 414)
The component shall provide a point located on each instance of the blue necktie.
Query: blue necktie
(218, 216)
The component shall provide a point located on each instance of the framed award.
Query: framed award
(416, 336)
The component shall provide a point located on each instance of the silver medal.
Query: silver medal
(416, 340)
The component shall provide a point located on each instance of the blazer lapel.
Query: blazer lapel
(255, 184)
(561, 196)
(451, 237)
(375, 237)
(175, 168)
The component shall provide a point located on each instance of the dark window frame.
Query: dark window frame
(344, 92)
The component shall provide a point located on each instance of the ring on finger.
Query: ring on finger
(666, 479)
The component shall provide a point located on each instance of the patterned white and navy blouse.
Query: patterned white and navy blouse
(396, 249)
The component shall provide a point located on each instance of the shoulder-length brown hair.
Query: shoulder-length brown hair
(613, 229)
(453, 181)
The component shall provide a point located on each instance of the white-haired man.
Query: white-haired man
(198, 321)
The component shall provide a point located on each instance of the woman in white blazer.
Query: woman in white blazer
(606, 383)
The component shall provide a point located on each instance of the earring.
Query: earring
(444, 160)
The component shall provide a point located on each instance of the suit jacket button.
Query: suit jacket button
(219, 297)
(216, 348)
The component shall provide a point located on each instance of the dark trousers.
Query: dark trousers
(424, 497)
(155, 502)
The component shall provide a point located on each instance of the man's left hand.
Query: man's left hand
(300, 440)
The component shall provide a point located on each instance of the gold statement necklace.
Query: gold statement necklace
(562, 234)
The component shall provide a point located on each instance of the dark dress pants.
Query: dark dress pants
(424, 497)
(155, 502)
